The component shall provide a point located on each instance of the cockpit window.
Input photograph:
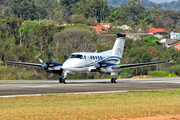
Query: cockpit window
(72, 56)
(76, 56)
(79, 56)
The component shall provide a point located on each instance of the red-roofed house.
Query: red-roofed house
(157, 32)
(127, 30)
(106, 25)
(102, 27)
(177, 46)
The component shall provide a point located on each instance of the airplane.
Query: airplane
(104, 62)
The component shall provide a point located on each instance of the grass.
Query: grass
(92, 106)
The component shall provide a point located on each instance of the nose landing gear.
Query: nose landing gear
(63, 79)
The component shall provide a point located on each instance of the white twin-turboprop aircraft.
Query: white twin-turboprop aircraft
(105, 62)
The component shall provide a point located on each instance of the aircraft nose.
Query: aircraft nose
(66, 65)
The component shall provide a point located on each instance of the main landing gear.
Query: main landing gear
(63, 80)
(114, 80)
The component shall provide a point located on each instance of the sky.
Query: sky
(160, 1)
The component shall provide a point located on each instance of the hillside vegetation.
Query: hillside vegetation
(31, 29)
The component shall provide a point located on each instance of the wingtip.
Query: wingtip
(2, 60)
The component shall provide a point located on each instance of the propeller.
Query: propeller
(37, 57)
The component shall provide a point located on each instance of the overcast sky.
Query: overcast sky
(160, 1)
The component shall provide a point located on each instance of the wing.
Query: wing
(22, 63)
(141, 64)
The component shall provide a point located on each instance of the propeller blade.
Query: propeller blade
(51, 75)
(40, 60)
(52, 58)
(36, 72)
(37, 56)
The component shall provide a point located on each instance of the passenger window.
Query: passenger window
(84, 57)
(100, 57)
(96, 57)
(91, 57)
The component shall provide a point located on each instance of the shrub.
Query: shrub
(126, 73)
(161, 74)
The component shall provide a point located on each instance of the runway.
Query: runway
(38, 87)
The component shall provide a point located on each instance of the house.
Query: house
(123, 27)
(168, 42)
(105, 25)
(127, 30)
(99, 29)
(177, 46)
(174, 35)
(157, 32)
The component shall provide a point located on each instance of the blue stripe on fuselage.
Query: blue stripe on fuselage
(56, 64)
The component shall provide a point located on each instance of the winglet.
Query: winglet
(2, 60)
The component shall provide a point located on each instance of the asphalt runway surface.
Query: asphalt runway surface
(38, 87)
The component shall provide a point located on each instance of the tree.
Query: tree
(150, 40)
(134, 8)
(25, 10)
(14, 25)
(68, 3)
(82, 8)
(73, 40)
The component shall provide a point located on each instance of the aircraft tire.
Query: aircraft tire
(112, 79)
(60, 80)
(115, 81)
(64, 80)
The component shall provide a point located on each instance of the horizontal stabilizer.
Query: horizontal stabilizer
(119, 34)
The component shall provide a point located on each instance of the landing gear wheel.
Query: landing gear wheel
(114, 80)
(64, 80)
(60, 80)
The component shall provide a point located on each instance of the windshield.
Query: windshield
(76, 56)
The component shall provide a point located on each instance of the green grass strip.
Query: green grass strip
(92, 106)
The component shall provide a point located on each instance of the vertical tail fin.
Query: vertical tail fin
(118, 46)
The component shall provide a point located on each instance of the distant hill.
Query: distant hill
(119, 3)
(147, 3)
(171, 5)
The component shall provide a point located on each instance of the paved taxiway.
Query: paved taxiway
(35, 87)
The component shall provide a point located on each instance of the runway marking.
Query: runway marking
(99, 92)
(9, 96)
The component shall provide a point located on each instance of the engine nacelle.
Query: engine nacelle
(97, 65)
